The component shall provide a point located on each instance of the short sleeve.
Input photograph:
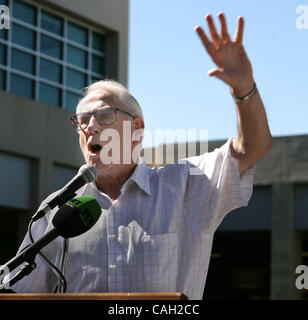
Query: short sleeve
(214, 188)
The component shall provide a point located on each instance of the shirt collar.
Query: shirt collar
(140, 176)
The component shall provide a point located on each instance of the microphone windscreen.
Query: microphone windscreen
(77, 216)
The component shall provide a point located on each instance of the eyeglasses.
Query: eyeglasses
(80, 121)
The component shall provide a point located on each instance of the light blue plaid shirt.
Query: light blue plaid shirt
(156, 237)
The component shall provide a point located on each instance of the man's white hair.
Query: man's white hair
(129, 103)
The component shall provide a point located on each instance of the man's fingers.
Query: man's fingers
(207, 44)
(215, 38)
(239, 30)
(223, 28)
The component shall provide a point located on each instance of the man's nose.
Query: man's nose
(93, 126)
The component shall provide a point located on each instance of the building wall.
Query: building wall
(41, 133)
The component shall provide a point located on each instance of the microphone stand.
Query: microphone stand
(28, 255)
(25, 270)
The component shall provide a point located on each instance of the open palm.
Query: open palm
(233, 65)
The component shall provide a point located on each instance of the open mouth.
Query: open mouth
(95, 148)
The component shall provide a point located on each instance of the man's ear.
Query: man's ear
(137, 130)
(138, 123)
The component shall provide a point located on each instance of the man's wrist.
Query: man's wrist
(244, 93)
(243, 89)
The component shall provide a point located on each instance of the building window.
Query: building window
(61, 175)
(47, 56)
(15, 191)
(22, 86)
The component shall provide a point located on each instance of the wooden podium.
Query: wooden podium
(95, 296)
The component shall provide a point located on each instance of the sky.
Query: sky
(167, 69)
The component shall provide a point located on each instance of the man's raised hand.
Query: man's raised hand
(233, 65)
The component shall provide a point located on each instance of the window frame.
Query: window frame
(89, 74)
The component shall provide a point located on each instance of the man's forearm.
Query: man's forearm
(254, 138)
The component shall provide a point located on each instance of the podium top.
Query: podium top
(95, 296)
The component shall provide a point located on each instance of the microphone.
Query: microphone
(74, 218)
(86, 174)
(77, 216)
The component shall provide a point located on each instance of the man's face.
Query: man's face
(95, 142)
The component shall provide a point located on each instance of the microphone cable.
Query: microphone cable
(64, 284)
(60, 287)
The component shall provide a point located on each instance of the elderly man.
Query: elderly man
(156, 229)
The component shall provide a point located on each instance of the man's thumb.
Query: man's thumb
(218, 72)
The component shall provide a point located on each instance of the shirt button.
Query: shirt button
(113, 236)
(113, 267)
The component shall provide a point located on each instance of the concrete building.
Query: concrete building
(52, 50)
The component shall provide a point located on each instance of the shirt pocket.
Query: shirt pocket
(160, 254)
